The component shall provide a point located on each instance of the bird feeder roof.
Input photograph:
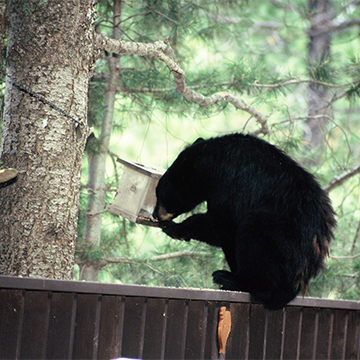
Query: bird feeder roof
(149, 170)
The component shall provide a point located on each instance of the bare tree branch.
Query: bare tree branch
(162, 51)
(346, 24)
(339, 180)
(177, 254)
(284, 6)
(344, 257)
(142, 90)
(124, 260)
(162, 90)
(316, 31)
(306, 81)
(158, 49)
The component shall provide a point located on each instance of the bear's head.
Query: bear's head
(179, 190)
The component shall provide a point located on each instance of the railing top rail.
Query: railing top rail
(12, 282)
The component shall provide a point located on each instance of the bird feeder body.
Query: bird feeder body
(135, 198)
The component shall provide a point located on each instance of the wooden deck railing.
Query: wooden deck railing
(51, 319)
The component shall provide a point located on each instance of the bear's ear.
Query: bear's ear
(198, 140)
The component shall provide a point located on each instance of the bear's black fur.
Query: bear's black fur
(269, 215)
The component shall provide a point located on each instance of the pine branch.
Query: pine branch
(344, 257)
(177, 254)
(162, 90)
(173, 255)
(171, 20)
(346, 24)
(317, 31)
(339, 180)
(162, 51)
(280, 5)
(306, 81)
(357, 233)
(124, 260)
(143, 90)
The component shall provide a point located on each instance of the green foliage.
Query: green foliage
(323, 71)
(353, 93)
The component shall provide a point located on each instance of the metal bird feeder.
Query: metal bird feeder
(135, 198)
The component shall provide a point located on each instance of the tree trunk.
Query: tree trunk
(50, 51)
(3, 20)
(97, 159)
(319, 50)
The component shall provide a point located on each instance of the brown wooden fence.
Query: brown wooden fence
(50, 319)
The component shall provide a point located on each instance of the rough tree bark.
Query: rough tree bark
(3, 20)
(50, 52)
(97, 158)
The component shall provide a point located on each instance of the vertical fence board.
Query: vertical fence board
(35, 325)
(257, 331)
(10, 326)
(85, 326)
(307, 339)
(154, 329)
(274, 334)
(237, 344)
(211, 342)
(291, 332)
(323, 333)
(59, 333)
(338, 334)
(204, 328)
(121, 325)
(109, 327)
(194, 333)
(175, 330)
(133, 326)
(352, 338)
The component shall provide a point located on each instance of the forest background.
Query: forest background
(296, 67)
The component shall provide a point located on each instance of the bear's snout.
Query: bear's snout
(161, 214)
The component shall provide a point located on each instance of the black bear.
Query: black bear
(270, 216)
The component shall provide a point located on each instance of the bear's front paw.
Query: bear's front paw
(172, 229)
(224, 278)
